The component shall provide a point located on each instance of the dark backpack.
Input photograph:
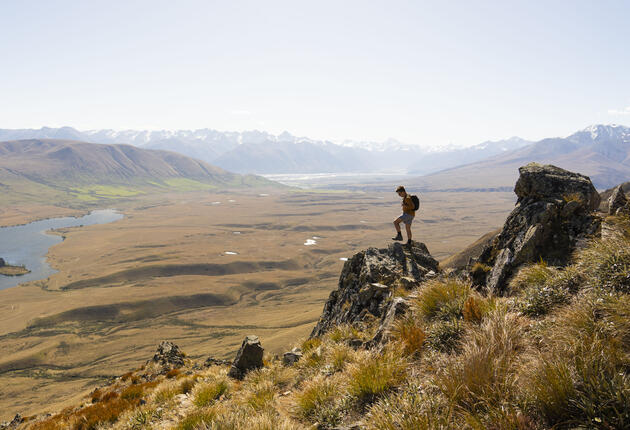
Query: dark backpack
(416, 202)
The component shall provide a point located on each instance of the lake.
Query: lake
(28, 244)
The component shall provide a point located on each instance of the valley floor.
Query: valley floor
(202, 270)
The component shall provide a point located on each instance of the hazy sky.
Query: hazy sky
(428, 73)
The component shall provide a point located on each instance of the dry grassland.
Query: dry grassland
(163, 273)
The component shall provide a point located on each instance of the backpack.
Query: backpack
(416, 202)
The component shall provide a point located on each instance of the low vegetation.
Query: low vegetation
(555, 353)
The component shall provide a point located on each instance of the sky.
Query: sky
(421, 72)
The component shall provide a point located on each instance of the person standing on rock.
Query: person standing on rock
(409, 212)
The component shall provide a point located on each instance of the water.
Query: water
(28, 244)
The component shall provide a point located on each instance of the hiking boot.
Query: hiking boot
(409, 242)
(398, 236)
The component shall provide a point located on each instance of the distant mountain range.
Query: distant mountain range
(600, 151)
(88, 171)
(260, 152)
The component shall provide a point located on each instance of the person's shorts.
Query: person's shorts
(406, 218)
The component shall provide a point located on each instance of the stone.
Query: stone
(355, 343)
(552, 217)
(168, 354)
(291, 357)
(216, 362)
(542, 182)
(364, 290)
(249, 357)
(399, 306)
(617, 200)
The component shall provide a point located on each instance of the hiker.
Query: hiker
(409, 211)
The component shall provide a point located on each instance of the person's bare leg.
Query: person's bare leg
(408, 228)
(397, 227)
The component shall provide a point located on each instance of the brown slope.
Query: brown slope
(49, 160)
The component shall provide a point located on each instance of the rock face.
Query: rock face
(367, 282)
(617, 202)
(399, 306)
(168, 354)
(291, 357)
(249, 357)
(553, 212)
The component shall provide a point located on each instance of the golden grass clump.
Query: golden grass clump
(483, 375)
(377, 373)
(206, 393)
(443, 299)
(322, 399)
(342, 333)
(580, 379)
(196, 420)
(410, 334)
(606, 263)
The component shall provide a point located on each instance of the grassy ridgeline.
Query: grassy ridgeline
(554, 354)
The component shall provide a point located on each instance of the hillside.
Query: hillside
(403, 346)
(601, 152)
(59, 170)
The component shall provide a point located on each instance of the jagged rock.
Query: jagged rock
(365, 284)
(249, 357)
(399, 306)
(17, 420)
(547, 182)
(355, 343)
(291, 357)
(168, 354)
(216, 362)
(617, 201)
(552, 216)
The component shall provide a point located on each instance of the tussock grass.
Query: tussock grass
(377, 373)
(206, 393)
(606, 263)
(197, 420)
(443, 299)
(410, 334)
(412, 409)
(483, 375)
(323, 400)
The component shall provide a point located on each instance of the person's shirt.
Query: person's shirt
(408, 206)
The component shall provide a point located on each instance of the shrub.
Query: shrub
(376, 375)
(206, 393)
(132, 393)
(172, 373)
(443, 299)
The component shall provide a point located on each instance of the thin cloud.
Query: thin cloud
(240, 112)
(625, 111)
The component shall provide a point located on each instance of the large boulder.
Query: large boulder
(552, 215)
(617, 201)
(249, 357)
(169, 355)
(367, 282)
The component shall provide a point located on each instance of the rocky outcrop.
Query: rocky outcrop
(553, 213)
(398, 307)
(291, 357)
(13, 424)
(617, 202)
(249, 357)
(168, 355)
(2, 262)
(367, 282)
